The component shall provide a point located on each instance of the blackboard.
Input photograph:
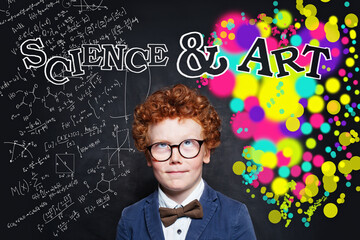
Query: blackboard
(69, 164)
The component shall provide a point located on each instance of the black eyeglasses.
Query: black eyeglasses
(188, 148)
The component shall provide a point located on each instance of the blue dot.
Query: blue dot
(296, 40)
(274, 21)
(265, 198)
(236, 105)
(353, 42)
(276, 11)
(348, 184)
(325, 128)
(307, 224)
(339, 148)
(275, 3)
(303, 219)
(290, 215)
(328, 149)
(348, 88)
(306, 128)
(357, 69)
(305, 87)
(326, 193)
(306, 166)
(281, 111)
(284, 171)
(333, 154)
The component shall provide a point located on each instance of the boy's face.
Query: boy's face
(178, 175)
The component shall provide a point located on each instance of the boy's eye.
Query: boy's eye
(161, 145)
(188, 143)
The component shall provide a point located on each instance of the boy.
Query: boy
(177, 128)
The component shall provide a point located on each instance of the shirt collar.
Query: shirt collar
(165, 201)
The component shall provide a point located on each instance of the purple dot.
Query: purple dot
(331, 120)
(346, 30)
(343, 123)
(256, 114)
(251, 33)
(350, 75)
(337, 144)
(303, 102)
(353, 105)
(326, 97)
(346, 51)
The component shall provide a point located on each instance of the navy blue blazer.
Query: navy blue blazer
(224, 218)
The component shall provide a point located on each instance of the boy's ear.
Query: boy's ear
(206, 158)
(148, 160)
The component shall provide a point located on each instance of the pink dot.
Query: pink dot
(355, 82)
(242, 120)
(348, 177)
(336, 118)
(318, 160)
(320, 137)
(344, 148)
(295, 171)
(223, 85)
(266, 175)
(307, 156)
(316, 120)
(299, 186)
(271, 43)
(319, 33)
(251, 102)
(349, 155)
(335, 52)
(282, 160)
(255, 183)
(342, 72)
(345, 40)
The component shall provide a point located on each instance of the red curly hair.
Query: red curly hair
(177, 101)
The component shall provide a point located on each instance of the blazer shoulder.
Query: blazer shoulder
(135, 210)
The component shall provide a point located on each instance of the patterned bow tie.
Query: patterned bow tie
(169, 215)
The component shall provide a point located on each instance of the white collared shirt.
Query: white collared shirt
(179, 229)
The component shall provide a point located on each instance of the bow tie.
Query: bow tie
(170, 215)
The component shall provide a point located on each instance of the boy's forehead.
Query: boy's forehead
(175, 129)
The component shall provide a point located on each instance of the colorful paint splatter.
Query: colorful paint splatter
(303, 140)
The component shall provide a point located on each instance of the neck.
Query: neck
(179, 196)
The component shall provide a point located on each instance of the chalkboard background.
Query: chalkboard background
(68, 161)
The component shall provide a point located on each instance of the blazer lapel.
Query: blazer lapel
(209, 205)
(152, 217)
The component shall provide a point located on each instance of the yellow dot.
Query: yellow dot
(357, 92)
(238, 167)
(231, 20)
(292, 124)
(342, 195)
(328, 168)
(284, 19)
(330, 210)
(312, 23)
(344, 167)
(351, 20)
(351, 49)
(287, 152)
(355, 163)
(358, 188)
(333, 20)
(268, 159)
(336, 179)
(336, 133)
(333, 107)
(297, 204)
(252, 195)
(223, 34)
(345, 79)
(332, 85)
(274, 216)
(279, 186)
(310, 143)
(315, 104)
(224, 24)
(263, 190)
(357, 119)
(297, 25)
(319, 89)
(314, 42)
(352, 34)
(300, 211)
(345, 99)
(350, 62)
(231, 36)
